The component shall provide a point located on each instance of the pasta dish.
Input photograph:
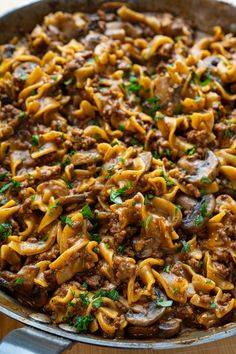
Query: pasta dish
(118, 172)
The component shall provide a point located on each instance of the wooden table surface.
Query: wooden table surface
(227, 346)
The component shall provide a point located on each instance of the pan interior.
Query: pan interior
(204, 14)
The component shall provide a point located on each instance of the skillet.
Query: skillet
(39, 336)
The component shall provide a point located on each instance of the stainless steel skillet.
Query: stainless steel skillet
(39, 336)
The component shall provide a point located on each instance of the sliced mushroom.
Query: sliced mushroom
(146, 156)
(186, 202)
(196, 220)
(170, 328)
(199, 170)
(26, 291)
(142, 332)
(85, 157)
(150, 315)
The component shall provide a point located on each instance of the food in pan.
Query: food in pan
(118, 172)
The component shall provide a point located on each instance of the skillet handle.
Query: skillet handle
(28, 340)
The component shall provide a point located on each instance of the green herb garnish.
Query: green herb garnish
(5, 230)
(147, 222)
(22, 115)
(167, 269)
(163, 303)
(228, 133)
(81, 323)
(147, 198)
(121, 249)
(206, 180)
(2, 176)
(115, 195)
(35, 140)
(191, 151)
(66, 220)
(95, 237)
(151, 105)
(186, 246)
(97, 303)
(84, 299)
(111, 294)
(68, 82)
(87, 212)
(19, 281)
(212, 304)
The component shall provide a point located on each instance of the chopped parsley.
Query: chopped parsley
(207, 80)
(2, 176)
(156, 155)
(97, 303)
(72, 152)
(86, 211)
(121, 249)
(22, 115)
(191, 151)
(206, 180)
(65, 162)
(55, 205)
(14, 184)
(33, 92)
(178, 109)
(186, 246)
(169, 183)
(151, 105)
(198, 220)
(163, 303)
(147, 198)
(135, 141)
(68, 82)
(168, 152)
(19, 281)
(115, 195)
(35, 140)
(110, 170)
(69, 184)
(147, 222)
(33, 197)
(111, 294)
(71, 304)
(228, 133)
(5, 187)
(84, 298)
(133, 86)
(212, 304)
(66, 220)
(175, 290)
(167, 269)
(81, 323)
(121, 127)
(121, 159)
(84, 285)
(5, 230)
(95, 237)
(114, 143)
(55, 77)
